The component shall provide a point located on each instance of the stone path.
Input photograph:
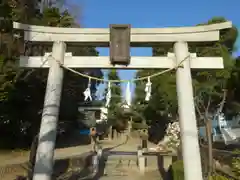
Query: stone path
(13, 164)
(61, 153)
(118, 165)
(120, 162)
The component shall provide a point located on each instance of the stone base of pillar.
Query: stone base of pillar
(110, 133)
(142, 164)
(95, 162)
(167, 162)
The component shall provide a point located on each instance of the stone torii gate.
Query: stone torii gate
(138, 37)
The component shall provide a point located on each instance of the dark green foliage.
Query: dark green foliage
(178, 170)
(114, 109)
(236, 164)
(22, 91)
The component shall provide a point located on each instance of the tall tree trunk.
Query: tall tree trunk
(208, 124)
(110, 132)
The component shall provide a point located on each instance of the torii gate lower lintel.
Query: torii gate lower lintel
(179, 36)
(136, 62)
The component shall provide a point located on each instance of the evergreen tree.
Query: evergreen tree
(21, 90)
(116, 97)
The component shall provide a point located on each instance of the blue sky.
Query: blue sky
(152, 13)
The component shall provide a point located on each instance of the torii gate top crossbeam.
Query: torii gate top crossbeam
(139, 36)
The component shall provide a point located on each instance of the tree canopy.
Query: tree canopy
(116, 97)
(208, 85)
(21, 90)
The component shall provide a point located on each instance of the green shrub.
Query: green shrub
(178, 172)
(177, 169)
(217, 177)
(236, 164)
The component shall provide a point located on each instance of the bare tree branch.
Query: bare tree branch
(200, 99)
(198, 110)
(208, 105)
(223, 101)
(200, 103)
(197, 107)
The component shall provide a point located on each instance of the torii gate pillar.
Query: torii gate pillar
(187, 117)
(48, 130)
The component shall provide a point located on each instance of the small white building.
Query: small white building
(100, 113)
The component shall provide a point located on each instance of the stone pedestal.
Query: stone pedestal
(110, 133)
(95, 161)
(142, 164)
(167, 161)
(99, 152)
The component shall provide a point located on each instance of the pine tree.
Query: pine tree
(116, 97)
